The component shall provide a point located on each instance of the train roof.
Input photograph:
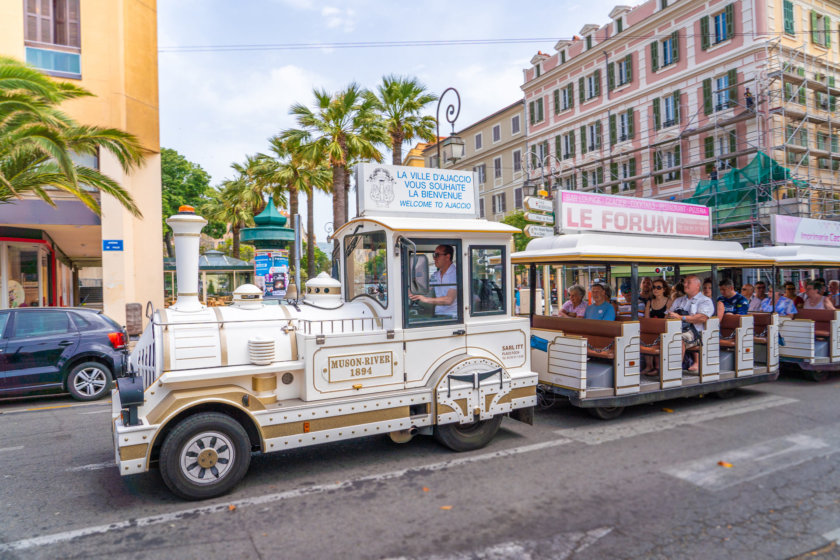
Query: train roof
(605, 247)
(800, 255)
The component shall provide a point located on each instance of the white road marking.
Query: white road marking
(92, 467)
(618, 429)
(56, 538)
(756, 461)
(832, 535)
(15, 448)
(559, 547)
(95, 412)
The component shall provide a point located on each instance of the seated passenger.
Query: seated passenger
(758, 297)
(784, 305)
(694, 309)
(814, 298)
(656, 308)
(707, 287)
(731, 301)
(575, 306)
(600, 308)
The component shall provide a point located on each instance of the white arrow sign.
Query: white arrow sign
(539, 204)
(532, 230)
(542, 218)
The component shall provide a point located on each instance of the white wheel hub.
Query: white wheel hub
(207, 458)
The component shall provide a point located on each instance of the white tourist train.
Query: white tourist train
(615, 240)
(419, 336)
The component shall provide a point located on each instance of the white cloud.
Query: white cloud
(338, 18)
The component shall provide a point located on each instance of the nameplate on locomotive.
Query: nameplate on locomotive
(355, 367)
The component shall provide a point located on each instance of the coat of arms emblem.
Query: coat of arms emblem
(381, 187)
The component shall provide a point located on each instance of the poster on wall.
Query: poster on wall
(271, 273)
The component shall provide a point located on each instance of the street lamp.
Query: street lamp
(530, 185)
(453, 144)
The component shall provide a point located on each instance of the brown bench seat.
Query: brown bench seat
(650, 331)
(760, 323)
(822, 321)
(728, 324)
(600, 335)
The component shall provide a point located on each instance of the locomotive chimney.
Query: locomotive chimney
(186, 228)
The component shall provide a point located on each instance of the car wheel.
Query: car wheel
(89, 381)
(205, 456)
(466, 437)
(605, 412)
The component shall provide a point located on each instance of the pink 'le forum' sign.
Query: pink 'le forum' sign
(577, 211)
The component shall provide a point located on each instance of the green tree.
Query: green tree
(517, 220)
(231, 204)
(320, 262)
(183, 182)
(342, 126)
(399, 101)
(38, 142)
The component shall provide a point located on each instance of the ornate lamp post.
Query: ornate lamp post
(453, 143)
(530, 186)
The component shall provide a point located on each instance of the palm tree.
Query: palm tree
(400, 100)
(231, 204)
(342, 125)
(37, 142)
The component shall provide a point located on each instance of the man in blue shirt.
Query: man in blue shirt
(600, 308)
(731, 301)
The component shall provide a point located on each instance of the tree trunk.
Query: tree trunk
(339, 201)
(170, 249)
(235, 232)
(310, 234)
(293, 212)
(396, 149)
(346, 197)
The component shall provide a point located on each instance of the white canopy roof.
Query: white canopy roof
(800, 255)
(402, 223)
(605, 247)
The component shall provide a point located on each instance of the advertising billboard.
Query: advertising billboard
(271, 273)
(789, 230)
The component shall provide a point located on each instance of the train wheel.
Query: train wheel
(817, 375)
(205, 456)
(466, 437)
(605, 412)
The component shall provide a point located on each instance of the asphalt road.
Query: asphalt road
(647, 485)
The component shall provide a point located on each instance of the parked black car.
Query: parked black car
(57, 349)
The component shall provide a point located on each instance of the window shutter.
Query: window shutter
(556, 101)
(656, 120)
(675, 47)
(630, 123)
(583, 139)
(707, 96)
(704, 33)
(814, 38)
(610, 76)
(599, 174)
(677, 106)
(613, 171)
(494, 204)
(558, 146)
(584, 182)
(827, 35)
(732, 78)
(802, 94)
(612, 130)
(657, 161)
(654, 55)
(831, 81)
(788, 10)
(632, 167)
(581, 93)
(574, 181)
(832, 103)
(572, 143)
(598, 135)
(597, 83)
(503, 198)
(628, 64)
(571, 95)
(531, 112)
(730, 20)
(733, 143)
(677, 154)
(709, 146)
(540, 112)
(533, 157)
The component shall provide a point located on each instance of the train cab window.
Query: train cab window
(365, 260)
(487, 281)
(432, 292)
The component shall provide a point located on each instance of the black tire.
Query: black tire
(89, 381)
(467, 437)
(206, 439)
(605, 412)
(817, 376)
(726, 393)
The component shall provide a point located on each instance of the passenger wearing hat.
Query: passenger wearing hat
(600, 308)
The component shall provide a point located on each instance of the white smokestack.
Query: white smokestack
(186, 227)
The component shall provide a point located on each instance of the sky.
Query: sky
(218, 106)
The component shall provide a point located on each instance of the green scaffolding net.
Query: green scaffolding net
(735, 196)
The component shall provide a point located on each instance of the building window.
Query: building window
(514, 125)
(628, 169)
(619, 25)
(562, 56)
(623, 127)
(481, 171)
(591, 178)
(820, 29)
(593, 85)
(539, 153)
(593, 133)
(537, 70)
(497, 133)
(481, 207)
(52, 34)
(588, 42)
(666, 52)
(517, 198)
(535, 111)
(718, 28)
(790, 29)
(517, 161)
(499, 203)
(478, 141)
(666, 159)
(625, 70)
(434, 162)
(721, 92)
(566, 98)
(497, 168)
(564, 145)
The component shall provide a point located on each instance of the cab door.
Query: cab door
(35, 353)
(432, 332)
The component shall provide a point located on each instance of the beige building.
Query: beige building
(495, 150)
(110, 48)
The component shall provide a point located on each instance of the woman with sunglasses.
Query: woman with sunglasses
(656, 308)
